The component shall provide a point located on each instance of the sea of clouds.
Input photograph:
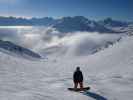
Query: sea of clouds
(49, 41)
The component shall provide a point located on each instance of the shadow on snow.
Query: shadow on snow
(94, 95)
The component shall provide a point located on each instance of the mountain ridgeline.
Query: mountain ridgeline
(66, 24)
(16, 50)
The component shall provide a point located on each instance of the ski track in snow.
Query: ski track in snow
(110, 78)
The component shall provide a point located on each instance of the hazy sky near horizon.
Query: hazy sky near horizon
(93, 9)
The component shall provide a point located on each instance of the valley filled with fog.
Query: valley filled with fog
(49, 41)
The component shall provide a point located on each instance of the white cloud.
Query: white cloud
(48, 40)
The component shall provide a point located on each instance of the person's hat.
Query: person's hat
(78, 68)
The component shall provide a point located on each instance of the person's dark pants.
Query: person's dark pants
(76, 84)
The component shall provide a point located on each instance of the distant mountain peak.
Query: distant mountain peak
(113, 23)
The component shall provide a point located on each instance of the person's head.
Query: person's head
(78, 68)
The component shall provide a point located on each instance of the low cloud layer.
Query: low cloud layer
(48, 41)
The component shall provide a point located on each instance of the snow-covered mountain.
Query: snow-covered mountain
(67, 24)
(117, 26)
(113, 23)
(79, 23)
(13, 49)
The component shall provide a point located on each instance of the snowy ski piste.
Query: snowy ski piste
(108, 73)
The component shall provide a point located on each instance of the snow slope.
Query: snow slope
(108, 72)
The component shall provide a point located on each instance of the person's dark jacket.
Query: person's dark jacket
(78, 76)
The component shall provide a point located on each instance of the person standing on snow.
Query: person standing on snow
(78, 78)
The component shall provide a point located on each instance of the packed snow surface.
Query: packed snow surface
(109, 73)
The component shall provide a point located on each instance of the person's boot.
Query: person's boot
(81, 85)
(75, 85)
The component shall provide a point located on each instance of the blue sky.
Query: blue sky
(92, 9)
